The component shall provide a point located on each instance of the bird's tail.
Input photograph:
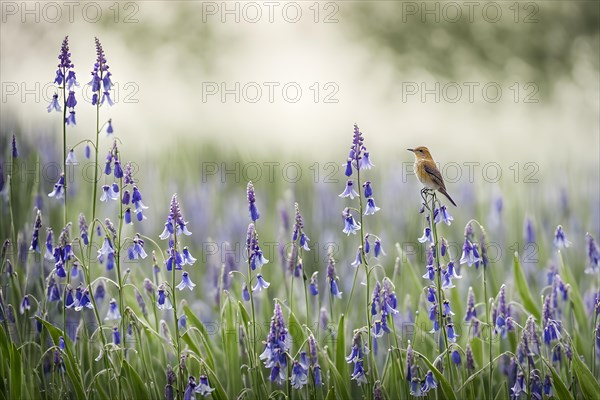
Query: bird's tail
(445, 193)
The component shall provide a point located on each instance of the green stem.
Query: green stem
(177, 341)
(64, 124)
(487, 311)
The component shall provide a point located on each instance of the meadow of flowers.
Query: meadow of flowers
(125, 280)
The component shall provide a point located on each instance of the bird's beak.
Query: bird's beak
(411, 150)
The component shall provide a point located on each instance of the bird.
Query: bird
(428, 173)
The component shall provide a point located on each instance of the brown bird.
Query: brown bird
(428, 173)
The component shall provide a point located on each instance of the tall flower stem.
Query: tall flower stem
(64, 124)
(490, 324)
(440, 292)
(180, 387)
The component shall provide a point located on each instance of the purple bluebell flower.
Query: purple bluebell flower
(83, 229)
(127, 216)
(367, 244)
(427, 236)
(260, 283)
(348, 170)
(547, 386)
(59, 186)
(314, 284)
(451, 333)
(357, 352)
(100, 292)
(185, 282)
(368, 191)
(175, 218)
(519, 387)
(108, 193)
(415, 387)
(71, 101)
(445, 215)
(358, 374)
(456, 357)
(88, 151)
(54, 104)
(376, 298)
(118, 170)
(529, 231)
(100, 74)
(113, 311)
(470, 364)
(351, 226)
(471, 311)
(162, 301)
(126, 197)
(175, 260)
(203, 387)
(108, 164)
(371, 208)
(245, 292)
(106, 249)
(15, 150)
(187, 257)
(378, 248)
(349, 190)
(128, 176)
(443, 246)
(560, 240)
(84, 301)
(431, 296)
(106, 97)
(254, 214)
(278, 343)
(136, 199)
(25, 304)
(109, 128)
(358, 260)
(429, 383)
(116, 336)
(299, 376)
(447, 309)
(332, 278)
(136, 250)
(365, 161)
(430, 274)
(35, 236)
(593, 255)
(470, 254)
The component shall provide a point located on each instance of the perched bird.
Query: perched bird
(428, 173)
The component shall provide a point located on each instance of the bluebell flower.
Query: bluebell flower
(470, 364)
(456, 357)
(348, 170)
(175, 218)
(470, 255)
(108, 193)
(59, 186)
(136, 250)
(331, 277)
(519, 387)
(185, 282)
(357, 352)
(260, 283)
(61, 343)
(429, 383)
(203, 387)
(107, 248)
(108, 164)
(84, 301)
(314, 284)
(187, 257)
(548, 386)
(254, 214)
(175, 260)
(126, 197)
(245, 292)
(593, 255)
(445, 215)
(25, 304)
(367, 244)
(100, 292)
(118, 169)
(358, 374)
(358, 260)
(447, 309)
(529, 231)
(106, 81)
(35, 236)
(299, 376)
(376, 330)
(378, 248)
(443, 246)
(116, 336)
(71, 80)
(371, 208)
(54, 104)
(415, 387)
(430, 274)
(127, 216)
(113, 311)
(451, 333)
(70, 120)
(427, 236)
(106, 97)
(368, 192)
(349, 190)
(278, 343)
(560, 241)
(350, 226)
(15, 150)
(71, 101)
(162, 300)
(365, 161)
(83, 229)
(471, 311)
(431, 296)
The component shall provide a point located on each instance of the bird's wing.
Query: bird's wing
(434, 173)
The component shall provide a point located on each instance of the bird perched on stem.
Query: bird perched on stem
(428, 173)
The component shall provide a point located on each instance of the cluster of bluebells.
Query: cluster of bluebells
(299, 242)
(332, 277)
(107, 251)
(593, 253)
(62, 253)
(356, 356)
(383, 302)
(502, 315)
(175, 226)
(418, 387)
(201, 387)
(278, 343)
(100, 77)
(471, 314)
(256, 259)
(65, 78)
(470, 253)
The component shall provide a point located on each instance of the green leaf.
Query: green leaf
(297, 333)
(16, 372)
(446, 388)
(341, 384)
(340, 348)
(577, 304)
(589, 385)
(230, 340)
(194, 321)
(559, 386)
(523, 288)
(135, 382)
